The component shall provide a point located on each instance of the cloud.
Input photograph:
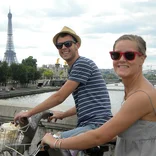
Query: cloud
(98, 23)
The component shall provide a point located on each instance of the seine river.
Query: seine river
(116, 95)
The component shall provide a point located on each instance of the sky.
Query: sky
(99, 23)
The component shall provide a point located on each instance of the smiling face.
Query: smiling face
(69, 54)
(123, 67)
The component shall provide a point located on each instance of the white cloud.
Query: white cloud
(99, 23)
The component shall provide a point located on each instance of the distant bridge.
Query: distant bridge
(108, 81)
(111, 81)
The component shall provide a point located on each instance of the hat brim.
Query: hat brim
(74, 35)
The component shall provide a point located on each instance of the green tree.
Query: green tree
(41, 71)
(150, 76)
(31, 73)
(37, 75)
(48, 74)
(31, 66)
(14, 72)
(23, 75)
(30, 62)
(19, 74)
(110, 76)
(4, 72)
(61, 73)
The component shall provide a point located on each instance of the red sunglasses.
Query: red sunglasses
(128, 55)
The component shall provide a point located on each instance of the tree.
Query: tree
(41, 71)
(19, 73)
(31, 66)
(61, 73)
(48, 74)
(14, 68)
(31, 73)
(4, 73)
(37, 75)
(150, 76)
(23, 74)
(30, 62)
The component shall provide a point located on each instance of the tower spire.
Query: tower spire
(10, 55)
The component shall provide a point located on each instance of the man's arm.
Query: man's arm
(61, 115)
(70, 112)
(52, 101)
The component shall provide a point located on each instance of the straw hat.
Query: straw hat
(68, 31)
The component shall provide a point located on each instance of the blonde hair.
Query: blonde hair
(138, 39)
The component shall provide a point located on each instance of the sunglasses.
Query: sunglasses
(128, 55)
(66, 44)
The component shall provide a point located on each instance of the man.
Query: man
(85, 83)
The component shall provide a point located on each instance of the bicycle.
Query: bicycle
(17, 141)
(21, 141)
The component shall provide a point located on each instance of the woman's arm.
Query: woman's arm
(133, 109)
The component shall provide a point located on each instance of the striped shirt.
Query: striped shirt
(91, 96)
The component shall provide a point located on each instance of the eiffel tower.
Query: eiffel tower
(10, 55)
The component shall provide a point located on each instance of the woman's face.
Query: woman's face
(123, 67)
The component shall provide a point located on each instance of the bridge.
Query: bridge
(61, 82)
(111, 81)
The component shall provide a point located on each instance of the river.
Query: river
(116, 94)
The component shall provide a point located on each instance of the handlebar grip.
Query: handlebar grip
(46, 147)
(51, 114)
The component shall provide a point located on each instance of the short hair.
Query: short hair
(138, 39)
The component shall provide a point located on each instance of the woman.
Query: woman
(135, 123)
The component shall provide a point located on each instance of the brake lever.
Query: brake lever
(45, 146)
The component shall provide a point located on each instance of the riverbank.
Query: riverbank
(26, 91)
(30, 90)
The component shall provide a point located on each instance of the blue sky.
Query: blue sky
(99, 23)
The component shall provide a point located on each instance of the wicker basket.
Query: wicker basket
(9, 137)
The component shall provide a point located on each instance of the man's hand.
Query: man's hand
(19, 117)
(56, 115)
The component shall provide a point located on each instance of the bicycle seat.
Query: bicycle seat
(99, 150)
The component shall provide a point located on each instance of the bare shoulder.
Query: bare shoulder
(145, 100)
(140, 103)
(148, 93)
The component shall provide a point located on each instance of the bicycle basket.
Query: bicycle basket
(9, 135)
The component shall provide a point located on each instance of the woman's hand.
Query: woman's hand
(49, 140)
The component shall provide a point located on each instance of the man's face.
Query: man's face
(67, 47)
